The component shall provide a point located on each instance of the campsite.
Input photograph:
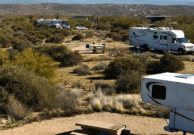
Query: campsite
(53, 77)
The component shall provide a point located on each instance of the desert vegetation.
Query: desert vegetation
(42, 71)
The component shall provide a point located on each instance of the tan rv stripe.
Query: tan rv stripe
(183, 116)
(154, 99)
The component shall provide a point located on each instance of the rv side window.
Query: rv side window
(155, 36)
(165, 37)
(159, 92)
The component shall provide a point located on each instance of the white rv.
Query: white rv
(175, 91)
(64, 23)
(160, 38)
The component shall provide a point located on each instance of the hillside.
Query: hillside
(95, 9)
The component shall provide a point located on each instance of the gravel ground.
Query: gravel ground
(63, 126)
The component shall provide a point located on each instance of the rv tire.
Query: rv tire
(180, 51)
(145, 47)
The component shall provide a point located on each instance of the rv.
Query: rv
(64, 23)
(175, 91)
(160, 38)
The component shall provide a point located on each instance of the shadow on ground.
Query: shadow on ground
(124, 132)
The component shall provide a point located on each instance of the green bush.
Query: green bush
(61, 54)
(117, 37)
(110, 34)
(79, 36)
(122, 66)
(82, 70)
(28, 88)
(89, 34)
(20, 45)
(57, 38)
(65, 33)
(106, 88)
(170, 63)
(129, 83)
(100, 66)
(167, 63)
(41, 64)
(118, 51)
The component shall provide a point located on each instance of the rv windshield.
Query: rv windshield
(182, 40)
(65, 22)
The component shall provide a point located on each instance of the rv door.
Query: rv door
(174, 46)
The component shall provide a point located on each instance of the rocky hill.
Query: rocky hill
(94, 9)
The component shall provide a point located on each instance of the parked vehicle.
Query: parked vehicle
(56, 26)
(64, 23)
(160, 38)
(81, 28)
(175, 91)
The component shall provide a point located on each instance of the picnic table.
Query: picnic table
(91, 127)
(96, 47)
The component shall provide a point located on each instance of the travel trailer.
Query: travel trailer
(175, 91)
(160, 38)
(64, 23)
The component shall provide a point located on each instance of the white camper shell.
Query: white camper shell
(160, 38)
(175, 91)
(63, 23)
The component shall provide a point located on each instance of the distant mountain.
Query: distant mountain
(95, 9)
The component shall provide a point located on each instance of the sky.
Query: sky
(153, 2)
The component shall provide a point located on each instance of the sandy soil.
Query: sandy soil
(63, 126)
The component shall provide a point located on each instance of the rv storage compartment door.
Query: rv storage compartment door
(158, 92)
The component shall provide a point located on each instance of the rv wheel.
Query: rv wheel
(145, 47)
(180, 51)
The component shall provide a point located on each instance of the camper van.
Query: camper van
(160, 38)
(63, 23)
(175, 91)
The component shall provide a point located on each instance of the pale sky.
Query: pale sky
(154, 2)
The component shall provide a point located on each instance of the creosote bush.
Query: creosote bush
(122, 66)
(29, 89)
(106, 88)
(118, 51)
(100, 66)
(167, 63)
(82, 70)
(128, 83)
(79, 36)
(61, 54)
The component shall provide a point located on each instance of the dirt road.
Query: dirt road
(63, 126)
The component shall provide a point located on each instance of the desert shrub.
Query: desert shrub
(116, 29)
(170, 63)
(100, 66)
(57, 38)
(82, 70)
(185, 58)
(128, 83)
(77, 84)
(28, 88)
(106, 88)
(103, 26)
(110, 34)
(89, 34)
(167, 63)
(125, 37)
(61, 54)
(20, 45)
(11, 53)
(153, 67)
(46, 33)
(103, 58)
(39, 63)
(122, 66)
(65, 33)
(15, 109)
(69, 100)
(79, 36)
(18, 33)
(117, 37)
(118, 51)
(3, 58)
(5, 41)
(143, 57)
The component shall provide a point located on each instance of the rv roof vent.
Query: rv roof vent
(161, 28)
(185, 76)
